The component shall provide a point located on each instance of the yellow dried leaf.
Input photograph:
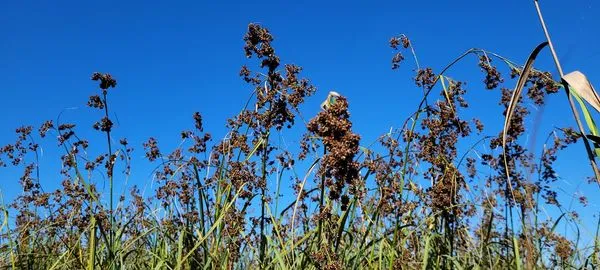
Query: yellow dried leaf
(582, 86)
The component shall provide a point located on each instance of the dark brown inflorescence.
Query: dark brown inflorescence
(438, 147)
(492, 75)
(106, 80)
(338, 166)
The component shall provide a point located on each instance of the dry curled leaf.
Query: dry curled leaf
(519, 88)
(579, 83)
(515, 99)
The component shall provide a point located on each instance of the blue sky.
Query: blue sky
(172, 59)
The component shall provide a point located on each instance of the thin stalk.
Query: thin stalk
(596, 244)
(110, 181)
(264, 159)
(262, 202)
(201, 208)
(321, 204)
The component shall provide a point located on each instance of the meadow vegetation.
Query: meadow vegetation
(417, 198)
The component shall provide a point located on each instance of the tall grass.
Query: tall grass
(413, 199)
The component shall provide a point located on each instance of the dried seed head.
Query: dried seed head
(106, 80)
(45, 127)
(152, 150)
(96, 102)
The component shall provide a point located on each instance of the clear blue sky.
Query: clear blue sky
(171, 59)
